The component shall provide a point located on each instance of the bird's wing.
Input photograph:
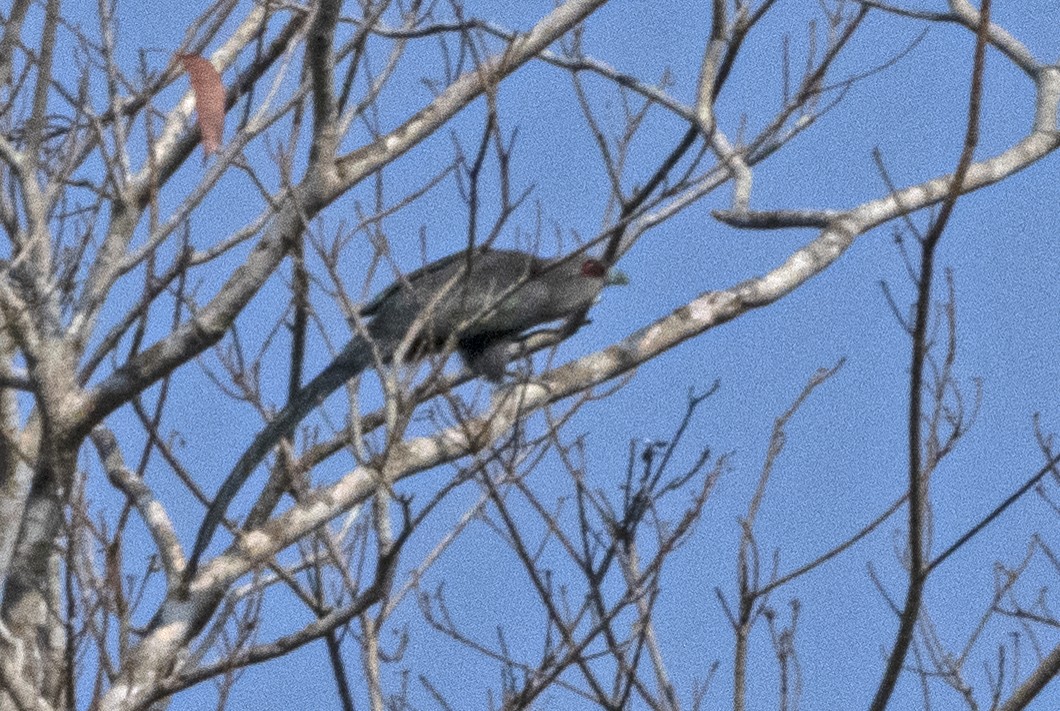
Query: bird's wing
(412, 277)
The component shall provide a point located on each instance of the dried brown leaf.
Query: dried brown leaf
(209, 100)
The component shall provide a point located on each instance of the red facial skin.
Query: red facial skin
(594, 268)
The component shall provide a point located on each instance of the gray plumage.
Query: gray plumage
(483, 301)
(480, 302)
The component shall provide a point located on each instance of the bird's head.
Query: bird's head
(575, 285)
(595, 269)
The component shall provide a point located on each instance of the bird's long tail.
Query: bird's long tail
(351, 361)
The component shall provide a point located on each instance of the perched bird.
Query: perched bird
(477, 301)
(483, 300)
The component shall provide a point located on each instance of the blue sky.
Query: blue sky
(845, 456)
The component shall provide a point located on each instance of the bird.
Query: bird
(478, 301)
(483, 300)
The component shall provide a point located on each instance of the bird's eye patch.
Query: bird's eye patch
(594, 268)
